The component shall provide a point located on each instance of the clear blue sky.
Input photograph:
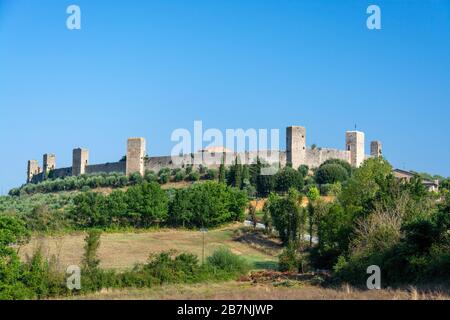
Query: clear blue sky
(145, 68)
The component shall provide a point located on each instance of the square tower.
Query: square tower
(32, 169)
(80, 159)
(354, 141)
(375, 149)
(49, 162)
(295, 146)
(135, 156)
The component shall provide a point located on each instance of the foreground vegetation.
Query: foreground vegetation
(372, 219)
(375, 220)
(39, 277)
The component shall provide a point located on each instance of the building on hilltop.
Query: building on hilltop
(296, 154)
(432, 186)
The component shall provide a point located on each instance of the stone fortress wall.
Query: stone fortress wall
(296, 154)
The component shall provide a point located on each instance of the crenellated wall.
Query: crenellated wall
(315, 157)
(118, 167)
(296, 154)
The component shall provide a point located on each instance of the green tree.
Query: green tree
(91, 245)
(88, 210)
(12, 232)
(344, 164)
(313, 195)
(222, 172)
(303, 169)
(287, 216)
(149, 201)
(288, 178)
(207, 204)
(331, 173)
(252, 214)
(236, 174)
(371, 182)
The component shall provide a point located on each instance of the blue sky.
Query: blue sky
(146, 68)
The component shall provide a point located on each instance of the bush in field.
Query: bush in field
(179, 176)
(212, 174)
(166, 267)
(42, 277)
(289, 259)
(194, 176)
(164, 178)
(91, 245)
(223, 259)
(150, 176)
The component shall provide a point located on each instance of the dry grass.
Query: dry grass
(123, 250)
(246, 291)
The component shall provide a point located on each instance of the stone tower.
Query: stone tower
(32, 169)
(295, 146)
(135, 156)
(375, 149)
(354, 141)
(80, 159)
(49, 163)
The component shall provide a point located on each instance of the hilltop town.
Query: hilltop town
(296, 154)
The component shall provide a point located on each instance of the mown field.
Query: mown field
(124, 249)
(237, 290)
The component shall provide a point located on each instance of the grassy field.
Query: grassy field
(123, 250)
(235, 290)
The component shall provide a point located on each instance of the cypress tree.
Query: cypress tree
(237, 173)
(222, 173)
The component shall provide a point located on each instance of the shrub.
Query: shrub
(333, 189)
(194, 176)
(223, 259)
(212, 174)
(288, 260)
(179, 176)
(166, 267)
(150, 176)
(164, 178)
(92, 243)
(42, 277)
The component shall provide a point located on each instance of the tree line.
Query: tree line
(144, 205)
